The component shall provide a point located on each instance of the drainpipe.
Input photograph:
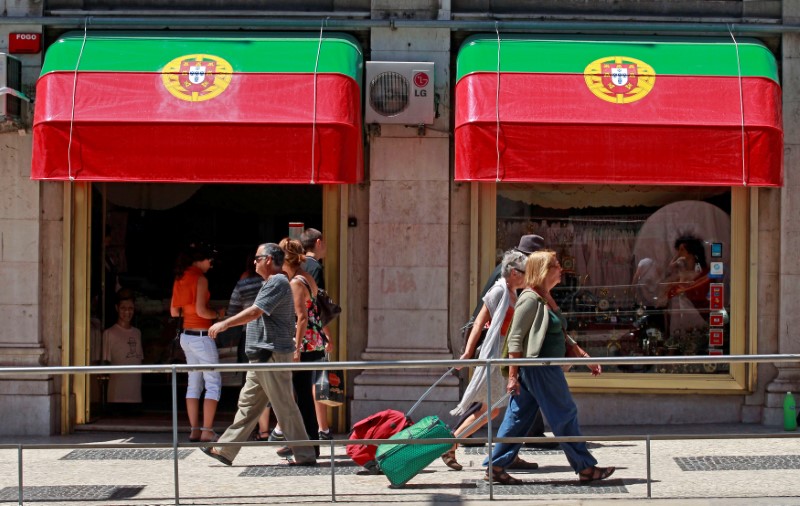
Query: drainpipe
(254, 23)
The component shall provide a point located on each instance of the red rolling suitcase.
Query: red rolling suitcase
(381, 425)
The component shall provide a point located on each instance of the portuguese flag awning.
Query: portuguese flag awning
(191, 107)
(660, 111)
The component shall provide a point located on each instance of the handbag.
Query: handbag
(176, 354)
(329, 387)
(328, 309)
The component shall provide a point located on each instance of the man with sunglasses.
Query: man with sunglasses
(270, 338)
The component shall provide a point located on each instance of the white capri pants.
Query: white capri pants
(202, 350)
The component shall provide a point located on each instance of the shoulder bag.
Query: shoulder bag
(328, 309)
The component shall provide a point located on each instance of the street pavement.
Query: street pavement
(750, 464)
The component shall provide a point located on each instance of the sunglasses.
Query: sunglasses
(258, 258)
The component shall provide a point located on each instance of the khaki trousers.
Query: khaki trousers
(261, 387)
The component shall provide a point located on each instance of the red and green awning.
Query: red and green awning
(623, 110)
(191, 107)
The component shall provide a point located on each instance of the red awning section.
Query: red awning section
(688, 112)
(237, 109)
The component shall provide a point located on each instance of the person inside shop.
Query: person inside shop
(497, 310)
(688, 272)
(122, 345)
(190, 298)
(685, 289)
(527, 245)
(537, 330)
(270, 339)
(310, 345)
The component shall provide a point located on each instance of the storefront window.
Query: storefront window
(647, 270)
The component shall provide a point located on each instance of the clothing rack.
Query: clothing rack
(628, 218)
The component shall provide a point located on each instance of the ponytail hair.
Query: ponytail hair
(294, 251)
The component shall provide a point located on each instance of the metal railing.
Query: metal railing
(174, 369)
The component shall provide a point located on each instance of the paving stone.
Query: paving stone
(482, 450)
(72, 493)
(322, 468)
(125, 454)
(738, 462)
(547, 488)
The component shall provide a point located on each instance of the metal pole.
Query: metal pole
(19, 472)
(647, 455)
(175, 433)
(490, 467)
(333, 473)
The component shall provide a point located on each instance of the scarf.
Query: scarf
(491, 348)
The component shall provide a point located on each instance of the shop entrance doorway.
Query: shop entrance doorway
(137, 232)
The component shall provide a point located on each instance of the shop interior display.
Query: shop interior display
(626, 289)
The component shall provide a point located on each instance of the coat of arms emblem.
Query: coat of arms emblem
(197, 77)
(619, 79)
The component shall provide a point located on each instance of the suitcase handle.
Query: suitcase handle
(428, 391)
(480, 418)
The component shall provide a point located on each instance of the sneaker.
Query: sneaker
(325, 436)
(274, 436)
(284, 451)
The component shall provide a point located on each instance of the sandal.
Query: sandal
(261, 436)
(522, 464)
(213, 438)
(194, 439)
(502, 477)
(449, 459)
(595, 473)
(214, 455)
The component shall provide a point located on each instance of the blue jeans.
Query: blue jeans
(545, 387)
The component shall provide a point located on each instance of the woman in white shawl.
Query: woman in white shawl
(497, 310)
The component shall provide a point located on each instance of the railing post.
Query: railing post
(647, 455)
(175, 433)
(333, 473)
(489, 468)
(19, 472)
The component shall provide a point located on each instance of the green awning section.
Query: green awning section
(246, 52)
(569, 55)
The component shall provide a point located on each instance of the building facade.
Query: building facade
(652, 145)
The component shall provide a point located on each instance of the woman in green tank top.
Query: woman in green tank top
(537, 331)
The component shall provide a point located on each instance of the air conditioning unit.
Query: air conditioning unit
(11, 96)
(399, 93)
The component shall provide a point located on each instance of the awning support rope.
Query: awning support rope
(497, 107)
(314, 119)
(741, 104)
(74, 91)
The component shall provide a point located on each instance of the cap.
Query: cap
(530, 243)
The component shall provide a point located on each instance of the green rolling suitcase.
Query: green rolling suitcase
(401, 462)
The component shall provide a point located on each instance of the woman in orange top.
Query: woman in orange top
(190, 298)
